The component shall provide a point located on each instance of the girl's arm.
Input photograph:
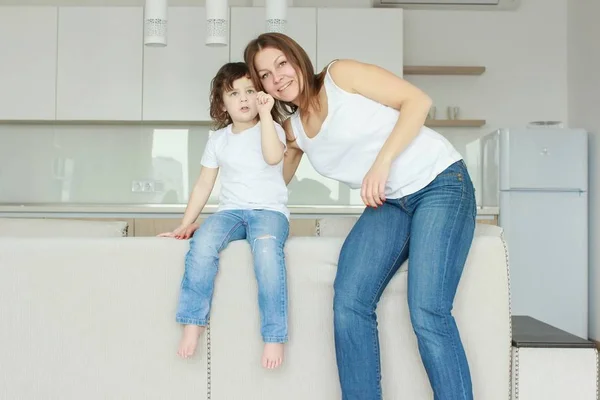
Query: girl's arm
(271, 145)
(200, 194)
(198, 198)
(386, 88)
(272, 148)
(293, 154)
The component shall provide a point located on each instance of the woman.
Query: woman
(364, 126)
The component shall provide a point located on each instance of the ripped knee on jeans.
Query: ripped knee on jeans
(261, 240)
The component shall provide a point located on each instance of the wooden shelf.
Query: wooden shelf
(442, 70)
(455, 123)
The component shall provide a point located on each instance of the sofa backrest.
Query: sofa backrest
(481, 310)
(93, 318)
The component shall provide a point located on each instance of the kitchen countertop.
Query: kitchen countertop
(164, 210)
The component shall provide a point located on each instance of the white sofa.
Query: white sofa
(93, 318)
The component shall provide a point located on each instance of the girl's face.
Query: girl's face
(240, 101)
(277, 75)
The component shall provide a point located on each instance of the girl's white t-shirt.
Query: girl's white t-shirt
(247, 181)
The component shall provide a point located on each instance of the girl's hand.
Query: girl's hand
(181, 232)
(372, 190)
(264, 102)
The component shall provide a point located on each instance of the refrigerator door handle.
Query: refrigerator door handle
(566, 190)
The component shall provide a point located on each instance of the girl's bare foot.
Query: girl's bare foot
(189, 340)
(272, 355)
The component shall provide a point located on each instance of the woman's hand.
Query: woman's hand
(372, 190)
(181, 232)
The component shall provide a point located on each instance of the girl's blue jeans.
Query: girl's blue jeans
(266, 231)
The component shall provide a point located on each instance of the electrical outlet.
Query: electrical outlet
(143, 186)
(136, 186)
(147, 186)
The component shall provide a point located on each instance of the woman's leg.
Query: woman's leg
(443, 223)
(201, 264)
(267, 234)
(372, 253)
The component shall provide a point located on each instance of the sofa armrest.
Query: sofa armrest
(551, 364)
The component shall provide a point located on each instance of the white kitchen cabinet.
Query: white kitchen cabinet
(100, 52)
(177, 77)
(28, 63)
(249, 22)
(371, 35)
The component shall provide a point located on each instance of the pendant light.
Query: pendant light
(276, 15)
(155, 23)
(217, 18)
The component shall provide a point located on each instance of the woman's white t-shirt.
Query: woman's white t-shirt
(354, 132)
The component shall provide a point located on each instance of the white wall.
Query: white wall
(525, 56)
(584, 89)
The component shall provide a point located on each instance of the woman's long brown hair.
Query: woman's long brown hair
(309, 82)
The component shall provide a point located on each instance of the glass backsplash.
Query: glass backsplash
(124, 164)
(135, 163)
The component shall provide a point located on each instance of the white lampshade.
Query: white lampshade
(155, 23)
(276, 15)
(217, 16)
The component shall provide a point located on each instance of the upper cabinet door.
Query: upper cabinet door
(177, 77)
(371, 35)
(100, 63)
(28, 65)
(249, 22)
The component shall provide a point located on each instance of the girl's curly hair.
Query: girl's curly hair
(221, 83)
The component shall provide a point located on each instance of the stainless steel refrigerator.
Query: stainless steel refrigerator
(540, 180)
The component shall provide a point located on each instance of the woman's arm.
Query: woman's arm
(293, 154)
(386, 88)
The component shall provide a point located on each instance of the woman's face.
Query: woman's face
(277, 75)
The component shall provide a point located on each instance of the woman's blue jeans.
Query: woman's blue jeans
(432, 228)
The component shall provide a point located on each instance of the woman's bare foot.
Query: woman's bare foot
(272, 355)
(189, 340)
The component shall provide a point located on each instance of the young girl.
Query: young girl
(252, 206)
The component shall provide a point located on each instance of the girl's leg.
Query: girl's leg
(372, 253)
(201, 264)
(442, 231)
(267, 234)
